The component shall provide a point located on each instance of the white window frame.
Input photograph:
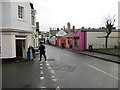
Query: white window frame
(20, 12)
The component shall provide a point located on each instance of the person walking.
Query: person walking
(28, 55)
(31, 53)
(42, 51)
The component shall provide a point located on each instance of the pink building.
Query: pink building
(79, 40)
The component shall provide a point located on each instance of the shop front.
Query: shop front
(79, 40)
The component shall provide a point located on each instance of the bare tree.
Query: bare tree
(109, 23)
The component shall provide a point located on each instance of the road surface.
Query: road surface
(64, 69)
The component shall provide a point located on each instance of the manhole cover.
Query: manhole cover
(51, 59)
(64, 67)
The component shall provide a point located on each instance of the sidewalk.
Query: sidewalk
(107, 57)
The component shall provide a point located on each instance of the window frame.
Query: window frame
(20, 12)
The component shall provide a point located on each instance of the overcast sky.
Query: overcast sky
(87, 13)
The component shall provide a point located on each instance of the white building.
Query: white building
(97, 39)
(17, 27)
(119, 15)
(52, 40)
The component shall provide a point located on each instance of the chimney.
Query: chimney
(63, 27)
(73, 29)
(57, 29)
(68, 27)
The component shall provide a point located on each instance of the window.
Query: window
(76, 42)
(20, 12)
(33, 20)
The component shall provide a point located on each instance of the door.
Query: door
(20, 44)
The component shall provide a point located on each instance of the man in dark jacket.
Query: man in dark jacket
(42, 51)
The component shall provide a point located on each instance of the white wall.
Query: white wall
(92, 39)
(119, 15)
(16, 23)
(0, 46)
(10, 21)
(10, 15)
(6, 15)
(52, 40)
(0, 14)
(8, 45)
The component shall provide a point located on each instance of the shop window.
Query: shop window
(76, 42)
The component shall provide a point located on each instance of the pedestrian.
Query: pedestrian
(68, 46)
(62, 45)
(28, 55)
(42, 51)
(31, 53)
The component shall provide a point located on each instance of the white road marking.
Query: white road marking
(53, 76)
(46, 61)
(41, 73)
(52, 71)
(42, 78)
(48, 64)
(41, 67)
(43, 87)
(58, 88)
(49, 68)
(41, 64)
(101, 71)
(54, 79)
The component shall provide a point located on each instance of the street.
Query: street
(64, 69)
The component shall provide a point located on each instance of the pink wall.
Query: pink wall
(82, 40)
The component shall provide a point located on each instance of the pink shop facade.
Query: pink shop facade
(79, 41)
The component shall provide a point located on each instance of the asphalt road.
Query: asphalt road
(64, 69)
(74, 70)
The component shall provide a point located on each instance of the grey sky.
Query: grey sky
(87, 13)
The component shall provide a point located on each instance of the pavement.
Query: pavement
(111, 58)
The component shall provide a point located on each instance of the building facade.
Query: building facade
(96, 38)
(119, 15)
(79, 41)
(17, 28)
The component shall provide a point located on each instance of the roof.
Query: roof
(69, 35)
(99, 30)
(53, 32)
(61, 33)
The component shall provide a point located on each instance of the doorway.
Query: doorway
(20, 47)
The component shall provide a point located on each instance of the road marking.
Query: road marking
(58, 88)
(41, 64)
(52, 71)
(41, 73)
(43, 87)
(41, 67)
(49, 68)
(53, 76)
(42, 78)
(54, 79)
(48, 64)
(101, 71)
